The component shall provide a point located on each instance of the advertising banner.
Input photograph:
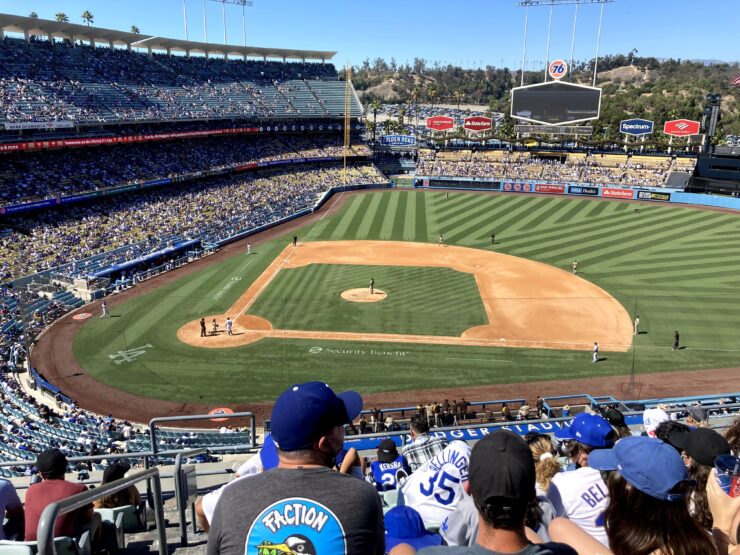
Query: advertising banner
(653, 195)
(553, 189)
(512, 187)
(65, 124)
(440, 123)
(478, 123)
(681, 127)
(398, 140)
(613, 192)
(557, 69)
(636, 127)
(581, 190)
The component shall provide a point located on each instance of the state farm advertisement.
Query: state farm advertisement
(440, 123)
(613, 192)
(552, 189)
(478, 123)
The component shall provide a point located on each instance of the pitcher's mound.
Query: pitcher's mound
(362, 295)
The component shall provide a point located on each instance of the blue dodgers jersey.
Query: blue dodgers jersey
(296, 525)
(384, 474)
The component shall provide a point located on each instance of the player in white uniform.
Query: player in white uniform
(637, 324)
(596, 353)
(581, 495)
(104, 309)
(435, 489)
(229, 326)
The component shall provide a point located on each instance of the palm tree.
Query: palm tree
(375, 107)
(61, 17)
(135, 29)
(33, 15)
(87, 17)
(458, 96)
(432, 93)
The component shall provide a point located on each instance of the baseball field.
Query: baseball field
(463, 314)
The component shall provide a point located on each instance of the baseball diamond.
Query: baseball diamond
(680, 277)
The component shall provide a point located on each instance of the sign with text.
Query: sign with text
(478, 123)
(581, 190)
(63, 124)
(636, 127)
(552, 189)
(398, 140)
(681, 127)
(557, 69)
(653, 195)
(614, 192)
(440, 123)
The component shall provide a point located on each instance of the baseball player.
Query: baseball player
(574, 266)
(441, 240)
(104, 309)
(229, 325)
(675, 340)
(372, 285)
(249, 248)
(637, 323)
(203, 327)
(596, 352)
(214, 327)
(493, 237)
(295, 240)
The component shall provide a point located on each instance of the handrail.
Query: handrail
(181, 503)
(45, 532)
(250, 415)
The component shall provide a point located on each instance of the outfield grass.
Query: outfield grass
(679, 268)
(425, 301)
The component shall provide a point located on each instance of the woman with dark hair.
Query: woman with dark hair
(647, 512)
(732, 435)
(128, 496)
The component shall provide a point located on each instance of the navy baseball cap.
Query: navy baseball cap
(404, 524)
(305, 412)
(589, 429)
(653, 467)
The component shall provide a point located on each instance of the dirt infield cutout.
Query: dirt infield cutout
(528, 304)
(363, 295)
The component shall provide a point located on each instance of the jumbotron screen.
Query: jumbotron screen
(555, 103)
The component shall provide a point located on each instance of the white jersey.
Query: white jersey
(437, 486)
(581, 496)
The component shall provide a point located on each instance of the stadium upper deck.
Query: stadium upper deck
(43, 81)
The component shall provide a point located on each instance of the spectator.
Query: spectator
(732, 435)
(580, 494)
(700, 447)
(422, 446)
(403, 525)
(302, 506)
(128, 496)
(616, 419)
(664, 430)
(11, 508)
(502, 485)
(388, 467)
(651, 418)
(52, 465)
(647, 512)
(698, 416)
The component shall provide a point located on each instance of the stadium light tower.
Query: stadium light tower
(243, 4)
(526, 4)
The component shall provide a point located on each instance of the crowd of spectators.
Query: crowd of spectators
(210, 210)
(42, 81)
(607, 169)
(47, 174)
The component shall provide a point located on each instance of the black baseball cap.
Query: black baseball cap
(701, 444)
(501, 466)
(614, 417)
(51, 461)
(387, 451)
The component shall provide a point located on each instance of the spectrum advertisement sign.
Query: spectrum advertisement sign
(552, 189)
(636, 126)
(613, 192)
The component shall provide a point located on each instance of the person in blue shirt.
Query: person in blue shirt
(385, 469)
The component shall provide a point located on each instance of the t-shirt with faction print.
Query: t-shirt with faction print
(311, 511)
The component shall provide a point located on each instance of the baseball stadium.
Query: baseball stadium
(203, 241)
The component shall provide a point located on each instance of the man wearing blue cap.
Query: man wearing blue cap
(581, 494)
(302, 506)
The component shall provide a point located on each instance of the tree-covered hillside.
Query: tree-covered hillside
(633, 87)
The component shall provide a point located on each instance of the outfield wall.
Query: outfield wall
(654, 194)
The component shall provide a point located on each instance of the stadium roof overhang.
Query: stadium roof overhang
(161, 43)
(46, 27)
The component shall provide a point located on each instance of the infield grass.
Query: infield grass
(679, 268)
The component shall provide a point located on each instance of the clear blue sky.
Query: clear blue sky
(471, 33)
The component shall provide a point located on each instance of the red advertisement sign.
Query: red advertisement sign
(516, 187)
(612, 192)
(681, 127)
(555, 189)
(440, 123)
(478, 123)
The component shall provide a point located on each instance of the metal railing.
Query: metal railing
(181, 499)
(154, 421)
(45, 533)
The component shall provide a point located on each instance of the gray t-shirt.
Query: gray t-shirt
(532, 549)
(311, 510)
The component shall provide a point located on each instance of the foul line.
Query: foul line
(251, 301)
